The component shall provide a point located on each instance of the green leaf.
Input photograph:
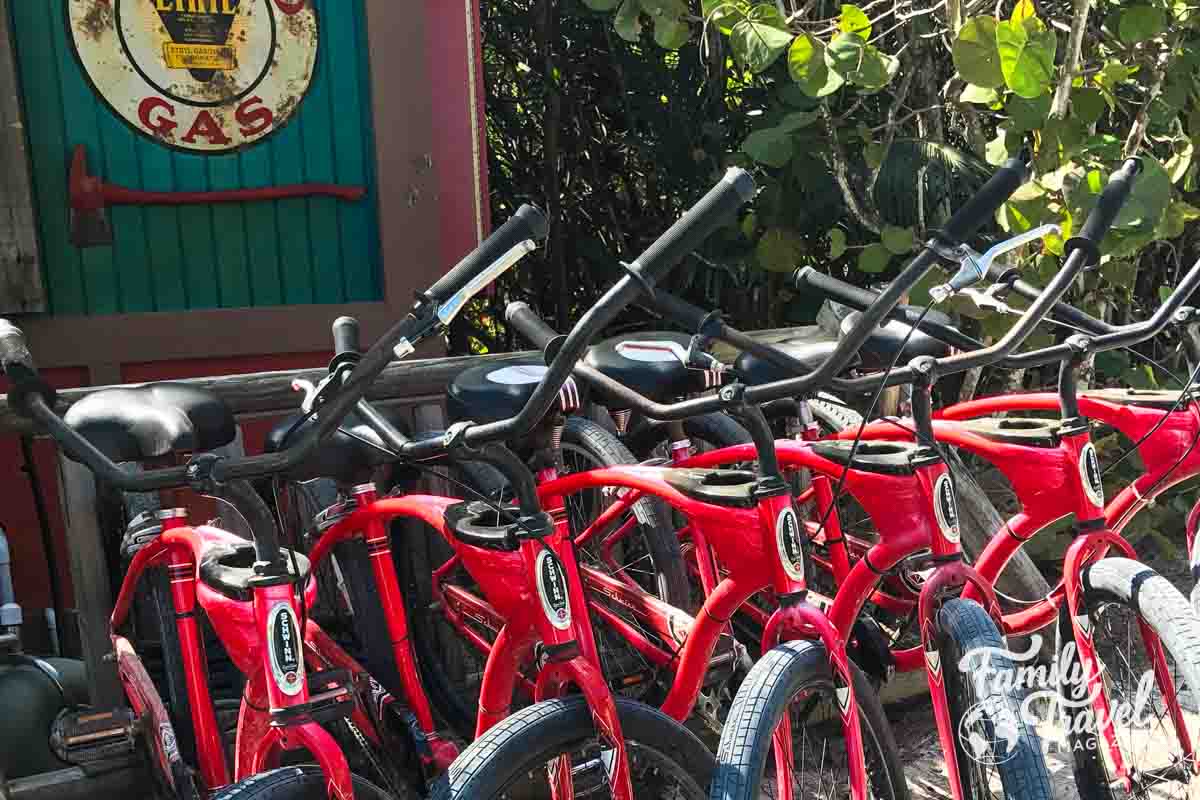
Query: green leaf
(756, 45)
(601, 5)
(1175, 220)
(975, 54)
(779, 250)
(671, 28)
(860, 63)
(1114, 72)
(980, 95)
(1178, 164)
(873, 155)
(996, 152)
(1026, 55)
(628, 21)
(798, 119)
(749, 225)
(837, 244)
(1139, 23)
(1028, 115)
(724, 14)
(855, 21)
(1023, 10)
(769, 146)
(1087, 105)
(874, 258)
(1164, 293)
(806, 65)
(898, 241)
(1119, 273)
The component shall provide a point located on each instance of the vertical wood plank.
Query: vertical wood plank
(352, 144)
(33, 37)
(229, 228)
(262, 241)
(317, 119)
(89, 574)
(196, 234)
(128, 222)
(295, 254)
(101, 288)
(162, 229)
(21, 288)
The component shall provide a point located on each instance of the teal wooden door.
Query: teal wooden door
(302, 250)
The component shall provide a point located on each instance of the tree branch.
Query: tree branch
(841, 173)
(1062, 94)
(1138, 132)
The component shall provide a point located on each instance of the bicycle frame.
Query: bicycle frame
(535, 593)
(754, 563)
(263, 640)
(1167, 453)
(1052, 483)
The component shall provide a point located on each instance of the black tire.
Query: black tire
(783, 674)
(655, 533)
(966, 628)
(706, 431)
(659, 748)
(293, 783)
(1115, 588)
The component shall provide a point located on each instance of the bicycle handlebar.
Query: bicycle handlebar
(31, 396)
(984, 203)
(528, 223)
(1101, 218)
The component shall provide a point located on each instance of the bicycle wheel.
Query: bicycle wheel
(1120, 596)
(998, 752)
(295, 783)
(795, 678)
(510, 760)
(649, 553)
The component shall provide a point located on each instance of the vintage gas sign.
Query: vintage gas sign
(203, 75)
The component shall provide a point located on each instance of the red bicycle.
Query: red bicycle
(1055, 473)
(907, 487)
(298, 682)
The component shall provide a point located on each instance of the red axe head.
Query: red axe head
(89, 219)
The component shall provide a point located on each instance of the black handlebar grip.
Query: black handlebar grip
(345, 336)
(984, 203)
(696, 225)
(528, 223)
(680, 310)
(531, 326)
(837, 290)
(16, 362)
(1109, 204)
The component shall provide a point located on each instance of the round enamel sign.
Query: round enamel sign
(202, 75)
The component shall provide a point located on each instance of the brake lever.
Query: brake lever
(986, 298)
(975, 266)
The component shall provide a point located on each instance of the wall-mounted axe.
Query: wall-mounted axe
(91, 196)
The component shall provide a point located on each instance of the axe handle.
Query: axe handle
(120, 196)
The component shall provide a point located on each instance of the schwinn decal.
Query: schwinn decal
(1089, 471)
(787, 541)
(283, 644)
(945, 507)
(552, 590)
(166, 739)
